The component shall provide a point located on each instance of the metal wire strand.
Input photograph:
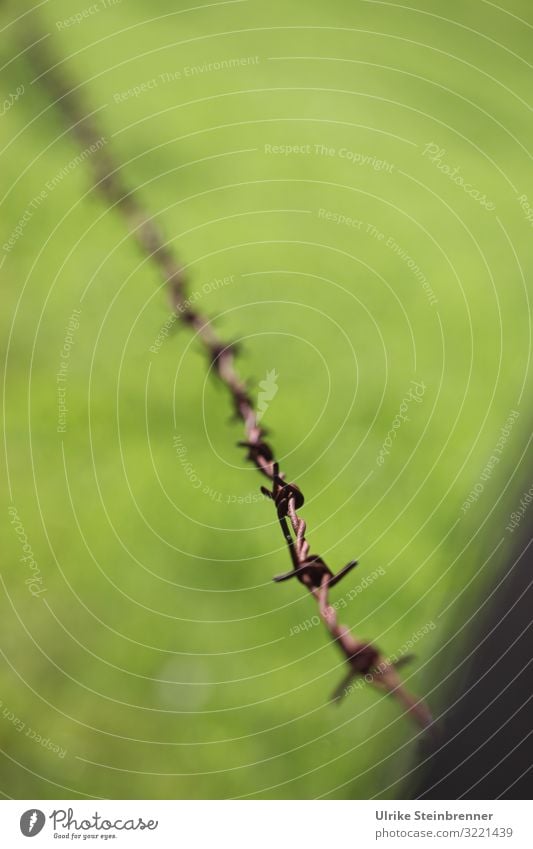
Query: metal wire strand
(362, 659)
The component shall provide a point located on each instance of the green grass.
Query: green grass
(150, 580)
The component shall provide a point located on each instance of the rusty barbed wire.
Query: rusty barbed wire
(363, 659)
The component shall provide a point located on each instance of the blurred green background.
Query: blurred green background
(160, 659)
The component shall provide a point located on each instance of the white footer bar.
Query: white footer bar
(267, 824)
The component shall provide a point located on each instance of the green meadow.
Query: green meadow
(348, 186)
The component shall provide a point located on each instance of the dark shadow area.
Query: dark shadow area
(486, 747)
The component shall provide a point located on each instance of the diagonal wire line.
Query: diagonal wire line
(362, 659)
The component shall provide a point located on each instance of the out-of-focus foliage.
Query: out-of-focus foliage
(342, 181)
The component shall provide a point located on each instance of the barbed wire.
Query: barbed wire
(363, 659)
